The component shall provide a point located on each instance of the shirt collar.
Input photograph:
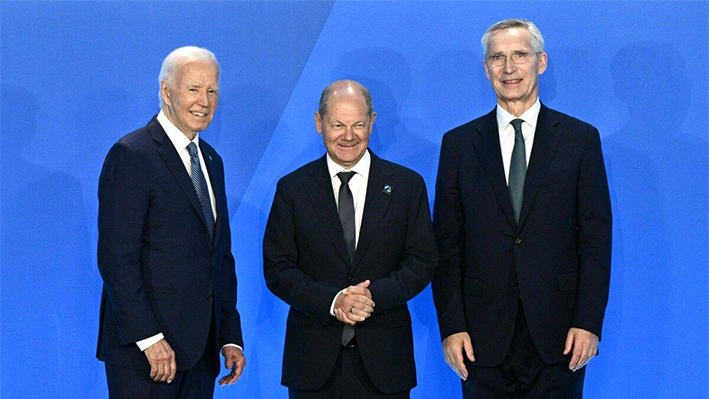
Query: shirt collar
(361, 168)
(529, 116)
(179, 140)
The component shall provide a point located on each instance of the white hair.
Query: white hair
(537, 38)
(172, 63)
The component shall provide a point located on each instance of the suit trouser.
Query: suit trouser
(195, 383)
(523, 373)
(349, 380)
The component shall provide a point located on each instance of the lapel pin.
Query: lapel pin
(210, 157)
(387, 189)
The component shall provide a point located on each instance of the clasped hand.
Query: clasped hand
(354, 304)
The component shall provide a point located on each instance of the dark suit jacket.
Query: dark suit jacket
(306, 265)
(161, 271)
(557, 259)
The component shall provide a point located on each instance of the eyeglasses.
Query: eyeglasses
(518, 58)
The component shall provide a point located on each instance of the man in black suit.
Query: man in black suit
(348, 242)
(169, 297)
(523, 224)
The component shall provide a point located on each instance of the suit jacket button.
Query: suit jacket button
(210, 298)
(514, 283)
(518, 241)
(350, 279)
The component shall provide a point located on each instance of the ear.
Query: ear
(165, 93)
(487, 70)
(371, 119)
(542, 63)
(318, 122)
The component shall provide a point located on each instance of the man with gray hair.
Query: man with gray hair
(522, 219)
(168, 305)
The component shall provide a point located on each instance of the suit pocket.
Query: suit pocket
(558, 177)
(397, 318)
(160, 290)
(296, 318)
(472, 286)
(568, 281)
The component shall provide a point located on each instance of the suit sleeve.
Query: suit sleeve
(449, 228)
(594, 221)
(230, 329)
(418, 263)
(124, 196)
(280, 264)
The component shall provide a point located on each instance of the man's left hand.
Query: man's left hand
(584, 345)
(235, 360)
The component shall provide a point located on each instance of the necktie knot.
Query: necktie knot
(345, 177)
(517, 125)
(192, 149)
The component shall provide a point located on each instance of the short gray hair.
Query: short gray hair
(537, 38)
(178, 57)
(327, 95)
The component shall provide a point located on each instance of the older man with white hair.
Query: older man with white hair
(169, 296)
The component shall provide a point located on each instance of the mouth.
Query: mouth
(511, 82)
(198, 114)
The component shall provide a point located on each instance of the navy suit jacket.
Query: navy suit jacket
(306, 265)
(556, 260)
(161, 271)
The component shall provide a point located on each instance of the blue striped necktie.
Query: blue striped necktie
(200, 186)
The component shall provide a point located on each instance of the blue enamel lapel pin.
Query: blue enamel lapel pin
(387, 189)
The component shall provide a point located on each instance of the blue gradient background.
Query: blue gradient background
(76, 76)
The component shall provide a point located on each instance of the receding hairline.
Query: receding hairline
(536, 37)
(342, 88)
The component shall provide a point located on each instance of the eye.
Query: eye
(212, 91)
(496, 57)
(520, 56)
(193, 90)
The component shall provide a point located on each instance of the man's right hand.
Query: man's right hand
(162, 361)
(354, 304)
(453, 347)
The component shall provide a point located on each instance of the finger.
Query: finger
(460, 364)
(153, 370)
(569, 343)
(364, 284)
(361, 300)
(468, 346)
(343, 317)
(237, 371)
(173, 369)
(573, 365)
(161, 371)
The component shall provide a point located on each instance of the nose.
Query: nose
(509, 66)
(203, 98)
(349, 134)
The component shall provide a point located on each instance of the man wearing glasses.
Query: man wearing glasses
(522, 218)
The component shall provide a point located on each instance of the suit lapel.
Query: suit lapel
(173, 162)
(546, 139)
(486, 141)
(375, 206)
(319, 190)
(215, 179)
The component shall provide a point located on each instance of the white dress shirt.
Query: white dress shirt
(507, 133)
(180, 141)
(358, 186)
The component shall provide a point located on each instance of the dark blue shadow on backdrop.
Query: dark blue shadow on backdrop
(76, 76)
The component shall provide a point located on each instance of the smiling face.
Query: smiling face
(191, 103)
(516, 85)
(345, 128)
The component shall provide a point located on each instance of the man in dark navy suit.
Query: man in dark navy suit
(348, 243)
(523, 224)
(169, 300)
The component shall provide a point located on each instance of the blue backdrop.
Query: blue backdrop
(76, 76)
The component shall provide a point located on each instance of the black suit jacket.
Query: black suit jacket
(556, 260)
(161, 271)
(306, 265)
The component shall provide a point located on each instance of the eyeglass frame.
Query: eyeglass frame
(506, 57)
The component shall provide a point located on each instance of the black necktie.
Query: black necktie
(345, 207)
(518, 169)
(200, 186)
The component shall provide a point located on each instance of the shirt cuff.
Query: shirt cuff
(332, 306)
(234, 345)
(144, 344)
